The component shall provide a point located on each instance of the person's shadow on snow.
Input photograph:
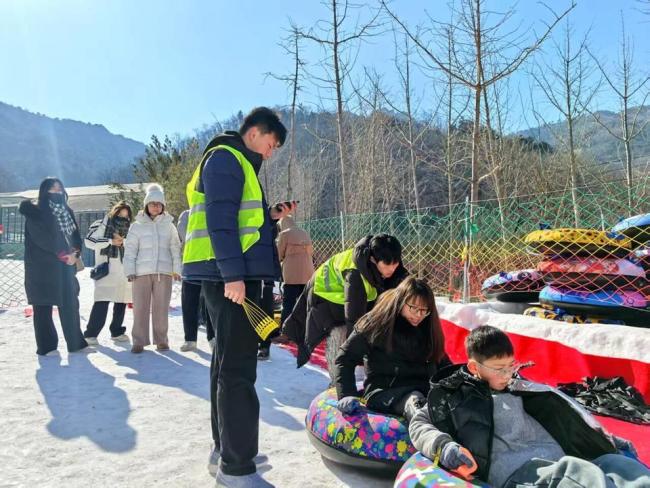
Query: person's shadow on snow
(280, 385)
(168, 369)
(84, 402)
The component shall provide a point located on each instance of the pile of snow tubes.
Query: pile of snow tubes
(576, 242)
(516, 286)
(366, 439)
(420, 472)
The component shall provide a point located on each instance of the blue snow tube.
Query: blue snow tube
(636, 228)
(629, 306)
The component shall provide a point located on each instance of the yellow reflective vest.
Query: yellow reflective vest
(330, 284)
(250, 216)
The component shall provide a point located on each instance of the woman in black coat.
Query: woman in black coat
(52, 250)
(401, 345)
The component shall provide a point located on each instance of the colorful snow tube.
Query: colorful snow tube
(590, 273)
(636, 228)
(628, 306)
(521, 286)
(419, 472)
(578, 242)
(365, 439)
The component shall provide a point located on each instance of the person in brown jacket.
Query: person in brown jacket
(295, 251)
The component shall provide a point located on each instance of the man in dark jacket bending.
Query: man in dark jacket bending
(229, 248)
(341, 290)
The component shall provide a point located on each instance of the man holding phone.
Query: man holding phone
(229, 248)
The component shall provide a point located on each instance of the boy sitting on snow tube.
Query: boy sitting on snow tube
(514, 432)
(401, 345)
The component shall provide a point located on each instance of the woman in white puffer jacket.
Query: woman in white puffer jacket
(151, 260)
(106, 238)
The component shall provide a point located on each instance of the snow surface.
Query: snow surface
(116, 419)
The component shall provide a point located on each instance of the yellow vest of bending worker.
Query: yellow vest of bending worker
(330, 284)
(250, 216)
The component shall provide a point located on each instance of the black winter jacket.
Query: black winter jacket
(45, 273)
(404, 369)
(313, 317)
(461, 406)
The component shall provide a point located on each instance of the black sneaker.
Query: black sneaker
(263, 354)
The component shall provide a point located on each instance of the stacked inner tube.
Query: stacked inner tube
(521, 286)
(593, 276)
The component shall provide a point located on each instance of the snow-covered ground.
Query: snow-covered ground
(115, 419)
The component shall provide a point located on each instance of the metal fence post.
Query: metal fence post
(468, 244)
(342, 231)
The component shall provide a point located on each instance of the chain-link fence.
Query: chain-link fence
(454, 247)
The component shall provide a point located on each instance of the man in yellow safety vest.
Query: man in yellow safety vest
(229, 248)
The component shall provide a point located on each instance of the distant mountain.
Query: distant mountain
(33, 146)
(595, 139)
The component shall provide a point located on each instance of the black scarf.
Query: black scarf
(116, 225)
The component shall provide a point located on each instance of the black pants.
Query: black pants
(266, 305)
(191, 304)
(234, 402)
(46, 337)
(290, 294)
(98, 319)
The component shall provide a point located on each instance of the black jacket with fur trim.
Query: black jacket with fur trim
(45, 274)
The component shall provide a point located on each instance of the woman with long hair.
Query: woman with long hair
(401, 344)
(106, 237)
(151, 260)
(52, 251)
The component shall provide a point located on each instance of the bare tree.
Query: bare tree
(291, 46)
(626, 86)
(476, 41)
(336, 42)
(566, 85)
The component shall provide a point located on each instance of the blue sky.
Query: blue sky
(143, 67)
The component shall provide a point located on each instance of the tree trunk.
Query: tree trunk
(339, 107)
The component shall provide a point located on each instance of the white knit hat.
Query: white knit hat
(155, 193)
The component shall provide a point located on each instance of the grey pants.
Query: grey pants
(151, 295)
(335, 340)
(608, 471)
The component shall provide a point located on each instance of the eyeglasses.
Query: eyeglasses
(509, 371)
(417, 310)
